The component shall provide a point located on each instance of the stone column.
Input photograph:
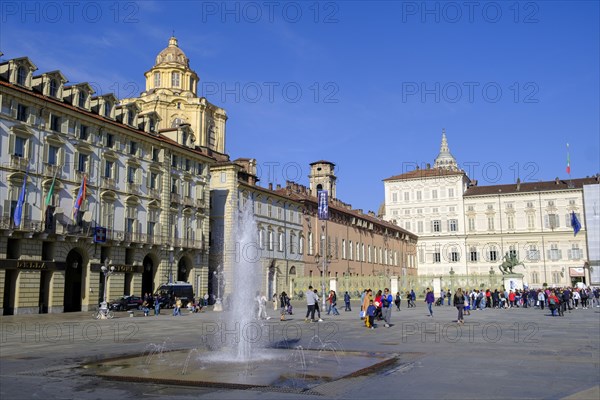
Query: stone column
(393, 285)
(27, 292)
(56, 296)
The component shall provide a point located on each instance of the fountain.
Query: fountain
(234, 351)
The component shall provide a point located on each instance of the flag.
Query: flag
(575, 223)
(568, 161)
(80, 197)
(323, 205)
(49, 196)
(19, 208)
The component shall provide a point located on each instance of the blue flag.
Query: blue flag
(323, 205)
(19, 208)
(575, 223)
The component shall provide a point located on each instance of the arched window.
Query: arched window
(157, 79)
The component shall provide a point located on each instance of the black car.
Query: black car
(126, 303)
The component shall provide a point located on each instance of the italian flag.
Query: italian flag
(568, 161)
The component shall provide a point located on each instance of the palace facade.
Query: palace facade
(468, 229)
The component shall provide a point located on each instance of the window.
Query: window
(471, 221)
(452, 209)
(575, 252)
(153, 180)
(53, 152)
(420, 227)
(471, 208)
(568, 219)
(530, 221)
(394, 197)
(434, 194)
(369, 255)
(191, 84)
(110, 140)
(188, 165)
(108, 214)
(512, 252)
(152, 218)
(422, 254)
(436, 225)
(554, 253)
(133, 148)
(175, 79)
(511, 222)
(473, 255)
(108, 168)
(529, 204)
(407, 225)
(83, 132)
(555, 277)
(157, 79)
(535, 277)
(55, 123)
(435, 210)
(53, 88)
(81, 99)
(82, 162)
(131, 174)
(22, 113)
(174, 165)
(419, 195)
(270, 239)
(453, 225)
(107, 109)
(490, 223)
(21, 76)
(454, 257)
(551, 221)
(20, 146)
(406, 196)
(301, 245)
(532, 253)
(155, 153)
(310, 244)
(492, 254)
(174, 185)
(451, 192)
(350, 251)
(343, 249)
(437, 257)
(130, 220)
(280, 241)
(199, 168)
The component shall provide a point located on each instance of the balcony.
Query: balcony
(188, 201)
(189, 243)
(154, 193)
(175, 198)
(133, 188)
(51, 169)
(199, 203)
(27, 224)
(18, 162)
(109, 183)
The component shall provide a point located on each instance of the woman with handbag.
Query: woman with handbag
(459, 303)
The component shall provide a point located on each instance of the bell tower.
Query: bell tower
(322, 177)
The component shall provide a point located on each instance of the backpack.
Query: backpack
(552, 302)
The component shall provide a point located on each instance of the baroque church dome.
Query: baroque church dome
(172, 54)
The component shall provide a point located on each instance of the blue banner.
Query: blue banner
(323, 208)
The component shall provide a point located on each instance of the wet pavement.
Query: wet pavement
(514, 353)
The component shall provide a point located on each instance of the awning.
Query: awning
(576, 271)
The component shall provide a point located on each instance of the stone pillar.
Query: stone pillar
(333, 284)
(2, 280)
(56, 297)
(393, 285)
(28, 292)
(513, 281)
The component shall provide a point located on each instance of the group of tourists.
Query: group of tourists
(378, 307)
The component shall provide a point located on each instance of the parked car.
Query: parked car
(167, 292)
(126, 303)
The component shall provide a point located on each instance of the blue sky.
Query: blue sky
(368, 86)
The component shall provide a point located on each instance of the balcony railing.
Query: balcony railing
(27, 224)
(175, 198)
(184, 242)
(51, 169)
(133, 188)
(188, 201)
(18, 162)
(154, 193)
(109, 183)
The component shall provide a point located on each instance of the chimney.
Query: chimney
(428, 166)
(518, 184)
(270, 186)
(556, 181)
(278, 186)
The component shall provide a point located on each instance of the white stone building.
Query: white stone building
(467, 229)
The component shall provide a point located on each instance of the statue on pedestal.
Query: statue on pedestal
(510, 261)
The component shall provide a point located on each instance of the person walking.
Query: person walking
(367, 300)
(387, 302)
(398, 300)
(311, 299)
(334, 303)
(262, 306)
(459, 303)
(317, 309)
(274, 301)
(156, 305)
(284, 302)
(347, 301)
(429, 299)
(449, 296)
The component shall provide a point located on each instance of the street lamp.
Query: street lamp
(171, 256)
(107, 272)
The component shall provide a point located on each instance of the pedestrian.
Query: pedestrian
(347, 301)
(366, 301)
(284, 302)
(429, 299)
(311, 299)
(262, 306)
(377, 304)
(317, 309)
(398, 300)
(334, 303)
(459, 303)
(449, 296)
(177, 307)
(541, 299)
(156, 305)
(274, 301)
(387, 302)
(370, 317)
(413, 298)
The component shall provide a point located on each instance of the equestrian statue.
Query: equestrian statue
(510, 261)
